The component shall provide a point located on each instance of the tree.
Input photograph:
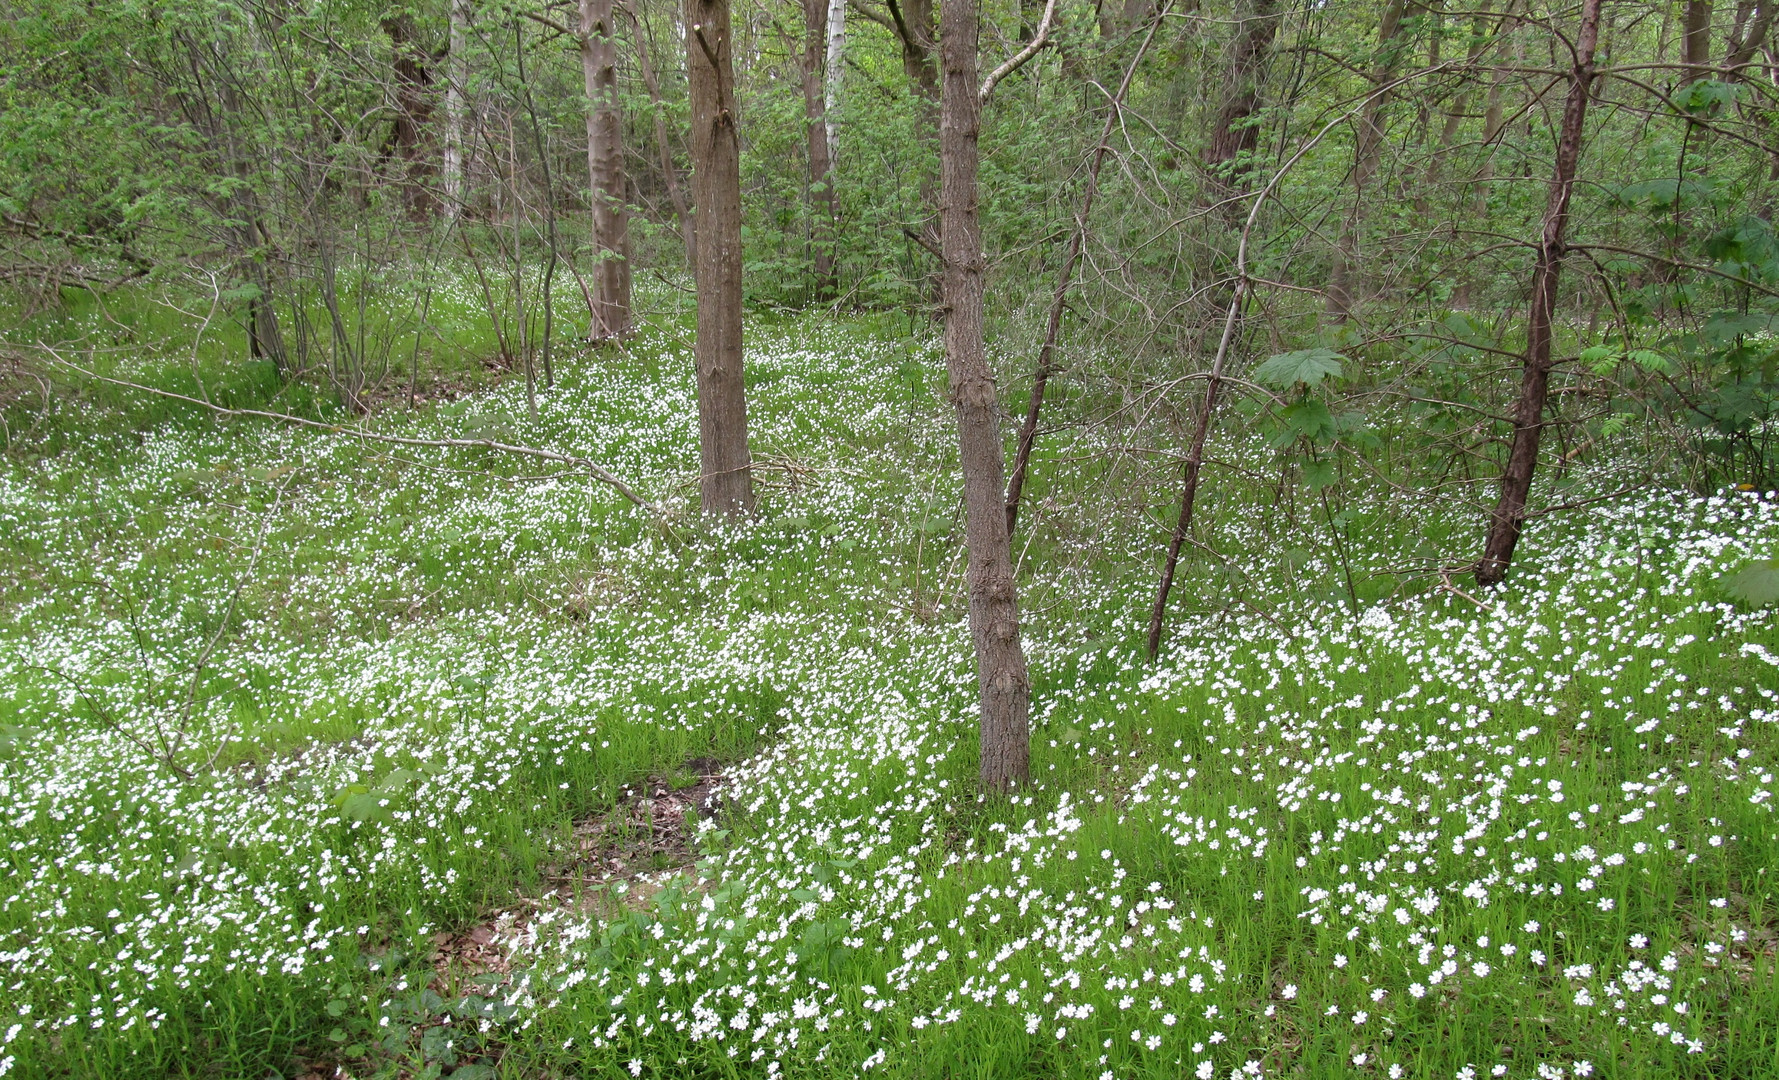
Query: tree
(1005, 692)
(605, 172)
(1343, 274)
(1509, 517)
(725, 483)
(818, 39)
(456, 88)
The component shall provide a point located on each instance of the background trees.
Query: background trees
(289, 181)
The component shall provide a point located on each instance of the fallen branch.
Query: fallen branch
(591, 468)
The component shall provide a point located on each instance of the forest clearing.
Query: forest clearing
(1230, 539)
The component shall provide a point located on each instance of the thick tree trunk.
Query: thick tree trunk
(1695, 42)
(1028, 429)
(1509, 517)
(725, 482)
(1344, 274)
(1233, 138)
(413, 107)
(994, 601)
(605, 173)
(815, 118)
(457, 86)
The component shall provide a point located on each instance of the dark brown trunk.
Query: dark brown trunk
(605, 173)
(1751, 34)
(1695, 42)
(1028, 430)
(1195, 459)
(815, 119)
(1342, 276)
(669, 175)
(725, 482)
(1233, 139)
(994, 601)
(1509, 517)
(413, 107)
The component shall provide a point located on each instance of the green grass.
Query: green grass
(428, 667)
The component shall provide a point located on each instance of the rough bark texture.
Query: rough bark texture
(725, 482)
(1343, 276)
(605, 173)
(836, 75)
(413, 107)
(994, 601)
(1509, 517)
(815, 119)
(1232, 136)
(1028, 429)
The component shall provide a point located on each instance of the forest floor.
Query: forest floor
(325, 758)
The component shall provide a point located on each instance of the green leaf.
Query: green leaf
(1756, 583)
(1318, 474)
(1600, 359)
(1306, 366)
(1311, 420)
(1650, 360)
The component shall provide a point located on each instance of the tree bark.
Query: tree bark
(1028, 430)
(605, 173)
(1004, 734)
(1509, 517)
(816, 37)
(413, 107)
(457, 86)
(669, 175)
(1695, 41)
(1751, 34)
(1366, 152)
(1232, 138)
(725, 483)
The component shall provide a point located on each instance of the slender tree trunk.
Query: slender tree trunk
(1028, 430)
(1751, 34)
(605, 171)
(725, 482)
(669, 175)
(1195, 458)
(815, 118)
(457, 85)
(1343, 275)
(1695, 41)
(1509, 517)
(836, 78)
(994, 601)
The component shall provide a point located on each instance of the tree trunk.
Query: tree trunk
(605, 172)
(1028, 430)
(1509, 517)
(836, 72)
(1751, 34)
(1695, 42)
(669, 175)
(725, 483)
(815, 117)
(1233, 139)
(413, 107)
(1342, 275)
(994, 602)
(457, 85)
